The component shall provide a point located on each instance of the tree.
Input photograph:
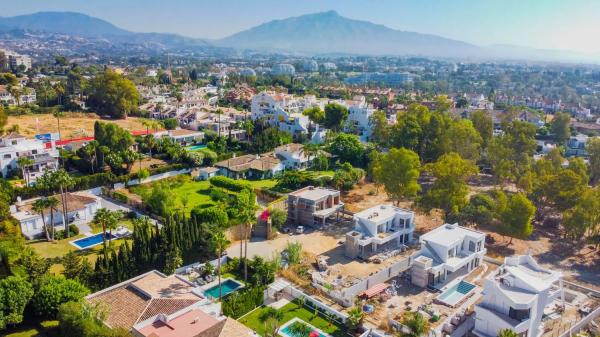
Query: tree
(54, 291)
(355, 318)
(3, 120)
(39, 206)
(449, 189)
(63, 181)
(593, 148)
(347, 148)
(170, 123)
(584, 218)
(462, 138)
(81, 319)
(561, 127)
(480, 210)
(398, 171)
(483, 123)
(15, 293)
(244, 209)
(507, 333)
(58, 115)
(52, 203)
(113, 94)
(24, 163)
(516, 217)
(335, 116)
(380, 128)
(108, 220)
(112, 136)
(72, 264)
(416, 323)
(315, 114)
(271, 318)
(221, 243)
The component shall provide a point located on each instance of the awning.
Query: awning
(279, 285)
(376, 289)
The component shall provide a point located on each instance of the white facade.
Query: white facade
(282, 111)
(283, 69)
(292, 156)
(14, 146)
(516, 296)
(359, 114)
(450, 249)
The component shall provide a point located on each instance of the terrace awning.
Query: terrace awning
(279, 285)
(375, 290)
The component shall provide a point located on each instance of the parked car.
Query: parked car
(299, 229)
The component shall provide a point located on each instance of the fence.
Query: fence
(346, 296)
(295, 293)
(155, 177)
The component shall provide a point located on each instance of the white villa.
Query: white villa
(282, 110)
(292, 156)
(13, 146)
(447, 252)
(359, 114)
(516, 297)
(81, 208)
(378, 228)
(182, 136)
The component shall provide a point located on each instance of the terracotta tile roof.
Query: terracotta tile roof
(233, 328)
(243, 163)
(165, 306)
(74, 202)
(123, 306)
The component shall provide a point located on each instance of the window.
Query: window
(519, 314)
(451, 253)
(479, 246)
(7, 156)
(471, 246)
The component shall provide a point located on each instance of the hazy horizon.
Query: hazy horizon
(543, 24)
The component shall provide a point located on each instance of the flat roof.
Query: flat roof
(381, 212)
(189, 324)
(449, 234)
(314, 193)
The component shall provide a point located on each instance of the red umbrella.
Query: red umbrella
(314, 334)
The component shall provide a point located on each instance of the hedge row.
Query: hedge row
(230, 184)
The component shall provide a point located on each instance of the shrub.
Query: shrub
(278, 218)
(230, 184)
(170, 123)
(54, 291)
(121, 197)
(241, 302)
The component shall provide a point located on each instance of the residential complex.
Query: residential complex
(43, 156)
(314, 206)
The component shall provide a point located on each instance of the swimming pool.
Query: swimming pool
(90, 241)
(196, 147)
(286, 329)
(227, 287)
(456, 293)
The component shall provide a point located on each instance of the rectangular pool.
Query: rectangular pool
(456, 293)
(90, 241)
(287, 330)
(196, 147)
(227, 287)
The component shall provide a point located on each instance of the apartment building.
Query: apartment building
(314, 206)
(379, 228)
(447, 252)
(13, 146)
(516, 296)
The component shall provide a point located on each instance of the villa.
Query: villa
(447, 252)
(314, 206)
(182, 136)
(13, 146)
(378, 228)
(250, 166)
(81, 208)
(293, 156)
(150, 299)
(517, 296)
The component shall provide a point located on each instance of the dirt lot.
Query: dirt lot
(73, 125)
(580, 263)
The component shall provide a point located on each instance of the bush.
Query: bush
(79, 319)
(170, 123)
(241, 302)
(210, 157)
(278, 218)
(121, 197)
(54, 291)
(230, 184)
(218, 194)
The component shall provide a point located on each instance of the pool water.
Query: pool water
(456, 293)
(196, 147)
(286, 330)
(91, 241)
(227, 287)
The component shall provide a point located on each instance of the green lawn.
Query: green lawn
(290, 311)
(197, 192)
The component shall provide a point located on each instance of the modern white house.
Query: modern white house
(447, 252)
(182, 136)
(81, 208)
(282, 111)
(13, 146)
(378, 228)
(293, 156)
(516, 296)
(359, 115)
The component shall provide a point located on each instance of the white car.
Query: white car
(299, 229)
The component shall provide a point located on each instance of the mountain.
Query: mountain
(77, 24)
(328, 32)
(63, 23)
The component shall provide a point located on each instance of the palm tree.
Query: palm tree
(15, 91)
(311, 150)
(507, 333)
(108, 220)
(221, 244)
(60, 91)
(245, 207)
(299, 329)
(24, 163)
(417, 324)
(39, 206)
(52, 202)
(63, 181)
(271, 318)
(58, 115)
(355, 318)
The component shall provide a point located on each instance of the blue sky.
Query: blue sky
(553, 24)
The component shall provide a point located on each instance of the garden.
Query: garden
(256, 320)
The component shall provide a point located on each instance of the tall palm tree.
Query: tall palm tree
(245, 209)
(58, 115)
(24, 163)
(221, 244)
(60, 91)
(39, 206)
(108, 220)
(63, 181)
(52, 203)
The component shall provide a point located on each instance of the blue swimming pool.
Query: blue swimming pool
(196, 147)
(456, 293)
(90, 241)
(227, 287)
(286, 330)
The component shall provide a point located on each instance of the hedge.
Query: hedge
(242, 302)
(230, 184)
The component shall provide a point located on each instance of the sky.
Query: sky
(572, 25)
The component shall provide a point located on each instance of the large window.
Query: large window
(471, 246)
(519, 314)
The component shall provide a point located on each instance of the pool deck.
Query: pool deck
(296, 319)
(215, 283)
(87, 235)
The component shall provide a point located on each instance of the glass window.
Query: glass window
(519, 314)
(471, 246)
